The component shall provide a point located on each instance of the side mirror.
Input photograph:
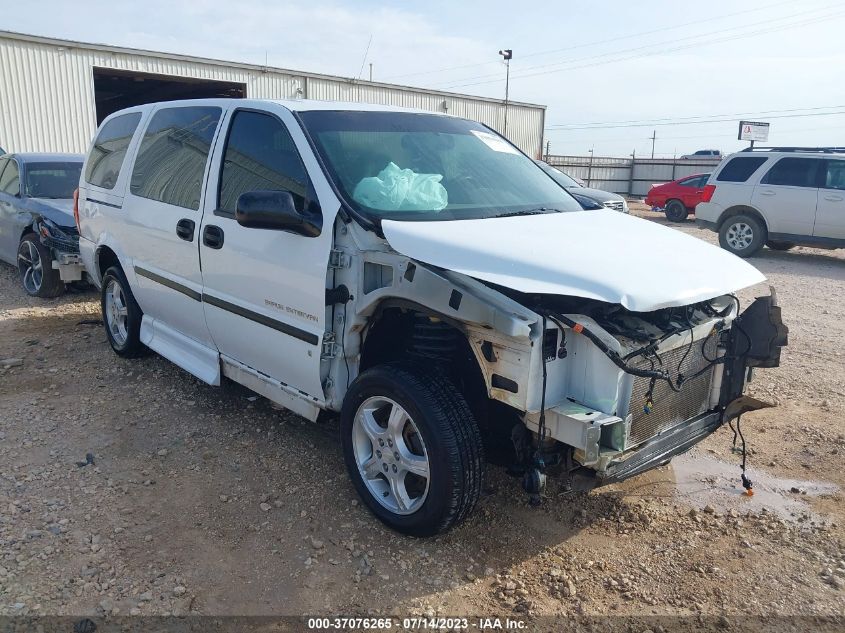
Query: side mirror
(276, 210)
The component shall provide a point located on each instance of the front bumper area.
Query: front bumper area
(659, 451)
(63, 244)
(69, 266)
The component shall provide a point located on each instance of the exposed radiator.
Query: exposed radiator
(670, 407)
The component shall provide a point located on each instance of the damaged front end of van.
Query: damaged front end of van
(613, 369)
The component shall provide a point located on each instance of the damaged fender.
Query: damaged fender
(755, 339)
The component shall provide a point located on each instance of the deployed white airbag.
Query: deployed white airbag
(397, 189)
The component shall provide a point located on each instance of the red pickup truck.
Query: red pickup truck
(677, 199)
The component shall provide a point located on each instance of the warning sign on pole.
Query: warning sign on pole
(753, 131)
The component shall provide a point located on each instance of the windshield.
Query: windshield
(408, 166)
(52, 180)
(557, 175)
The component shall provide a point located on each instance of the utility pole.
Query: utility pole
(590, 167)
(548, 148)
(371, 71)
(507, 54)
(653, 139)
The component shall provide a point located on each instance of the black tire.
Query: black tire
(35, 265)
(676, 211)
(451, 439)
(780, 246)
(742, 229)
(130, 346)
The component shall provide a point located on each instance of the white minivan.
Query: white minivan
(419, 275)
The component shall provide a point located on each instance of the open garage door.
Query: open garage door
(118, 89)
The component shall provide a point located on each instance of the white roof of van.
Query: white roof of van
(294, 105)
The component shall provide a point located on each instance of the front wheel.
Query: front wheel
(412, 448)
(742, 235)
(35, 264)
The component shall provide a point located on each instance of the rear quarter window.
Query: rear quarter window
(740, 168)
(106, 156)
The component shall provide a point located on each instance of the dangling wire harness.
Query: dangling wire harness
(650, 352)
(657, 374)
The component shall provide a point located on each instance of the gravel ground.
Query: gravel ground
(129, 487)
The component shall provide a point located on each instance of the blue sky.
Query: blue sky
(604, 62)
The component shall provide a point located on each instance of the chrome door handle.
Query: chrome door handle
(834, 198)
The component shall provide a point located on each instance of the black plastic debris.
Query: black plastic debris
(85, 625)
(89, 459)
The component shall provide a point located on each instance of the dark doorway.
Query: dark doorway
(118, 89)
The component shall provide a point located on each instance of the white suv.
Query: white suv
(778, 197)
(419, 275)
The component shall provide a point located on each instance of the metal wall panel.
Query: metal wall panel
(628, 176)
(47, 92)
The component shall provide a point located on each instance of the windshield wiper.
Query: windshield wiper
(538, 211)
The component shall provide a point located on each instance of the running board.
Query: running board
(280, 393)
(189, 354)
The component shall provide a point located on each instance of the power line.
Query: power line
(599, 42)
(366, 52)
(729, 120)
(648, 122)
(648, 53)
(713, 135)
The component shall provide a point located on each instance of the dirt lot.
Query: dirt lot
(205, 500)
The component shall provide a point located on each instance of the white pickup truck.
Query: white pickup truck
(421, 276)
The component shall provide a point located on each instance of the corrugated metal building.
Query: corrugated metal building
(53, 92)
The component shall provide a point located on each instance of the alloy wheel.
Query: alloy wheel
(31, 266)
(739, 236)
(391, 455)
(116, 312)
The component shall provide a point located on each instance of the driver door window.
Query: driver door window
(260, 155)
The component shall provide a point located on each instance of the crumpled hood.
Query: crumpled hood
(59, 210)
(601, 255)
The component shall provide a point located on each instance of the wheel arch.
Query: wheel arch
(490, 326)
(27, 230)
(741, 209)
(105, 258)
(390, 337)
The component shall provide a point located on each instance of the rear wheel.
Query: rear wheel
(412, 448)
(121, 314)
(742, 235)
(780, 246)
(676, 211)
(35, 264)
